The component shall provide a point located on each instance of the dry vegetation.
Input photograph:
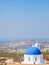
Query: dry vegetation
(46, 55)
(18, 57)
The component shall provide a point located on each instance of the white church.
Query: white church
(33, 55)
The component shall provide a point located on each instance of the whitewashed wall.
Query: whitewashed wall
(32, 59)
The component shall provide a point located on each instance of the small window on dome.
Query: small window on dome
(28, 58)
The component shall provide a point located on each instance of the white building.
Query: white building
(33, 55)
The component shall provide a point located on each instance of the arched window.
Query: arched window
(28, 58)
(35, 58)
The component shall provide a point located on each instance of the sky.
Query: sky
(24, 19)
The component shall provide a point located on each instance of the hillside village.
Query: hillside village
(21, 46)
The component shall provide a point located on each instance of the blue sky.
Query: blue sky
(24, 19)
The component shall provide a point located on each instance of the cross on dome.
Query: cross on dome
(36, 45)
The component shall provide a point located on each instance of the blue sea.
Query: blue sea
(2, 41)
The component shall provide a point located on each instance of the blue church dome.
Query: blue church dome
(33, 51)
